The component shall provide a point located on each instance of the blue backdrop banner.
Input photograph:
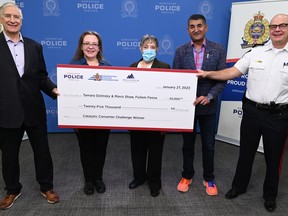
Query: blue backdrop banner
(57, 25)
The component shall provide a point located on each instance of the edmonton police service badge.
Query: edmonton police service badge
(256, 31)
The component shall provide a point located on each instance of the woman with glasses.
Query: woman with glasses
(92, 142)
(147, 146)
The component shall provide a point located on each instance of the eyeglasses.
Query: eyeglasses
(94, 45)
(10, 16)
(281, 26)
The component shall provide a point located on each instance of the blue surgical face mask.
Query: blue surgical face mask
(148, 55)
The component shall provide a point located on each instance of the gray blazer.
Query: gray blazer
(214, 59)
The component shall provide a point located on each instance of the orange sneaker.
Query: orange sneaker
(211, 188)
(183, 185)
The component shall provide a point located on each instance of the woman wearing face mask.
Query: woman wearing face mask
(92, 142)
(147, 145)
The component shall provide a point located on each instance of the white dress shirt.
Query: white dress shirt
(267, 70)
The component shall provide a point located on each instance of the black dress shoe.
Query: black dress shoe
(233, 193)
(135, 184)
(89, 188)
(270, 206)
(154, 193)
(100, 186)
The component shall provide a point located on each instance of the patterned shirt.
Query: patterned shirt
(199, 54)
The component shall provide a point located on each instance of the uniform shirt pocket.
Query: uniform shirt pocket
(256, 70)
(284, 75)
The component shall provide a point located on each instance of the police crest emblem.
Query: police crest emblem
(129, 8)
(256, 31)
(97, 77)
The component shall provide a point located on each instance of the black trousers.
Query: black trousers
(10, 142)
(147, 149)
(92, 144)
(273, 129)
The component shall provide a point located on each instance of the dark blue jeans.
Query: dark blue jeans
(207, 125)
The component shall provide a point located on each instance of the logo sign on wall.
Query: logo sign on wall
(90, 6)
(51, 8)
(166, 45)
(256, 31)
(249, 25)
(129, 9)
(206, 8)
(167, 7)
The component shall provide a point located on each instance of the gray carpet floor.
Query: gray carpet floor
(119, 200)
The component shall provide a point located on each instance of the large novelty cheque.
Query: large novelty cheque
(126, 98)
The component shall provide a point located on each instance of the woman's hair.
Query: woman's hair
(148, 39)
(79, 52)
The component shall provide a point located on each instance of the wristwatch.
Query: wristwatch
(210, 97)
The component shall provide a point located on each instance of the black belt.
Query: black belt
(269, 107)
